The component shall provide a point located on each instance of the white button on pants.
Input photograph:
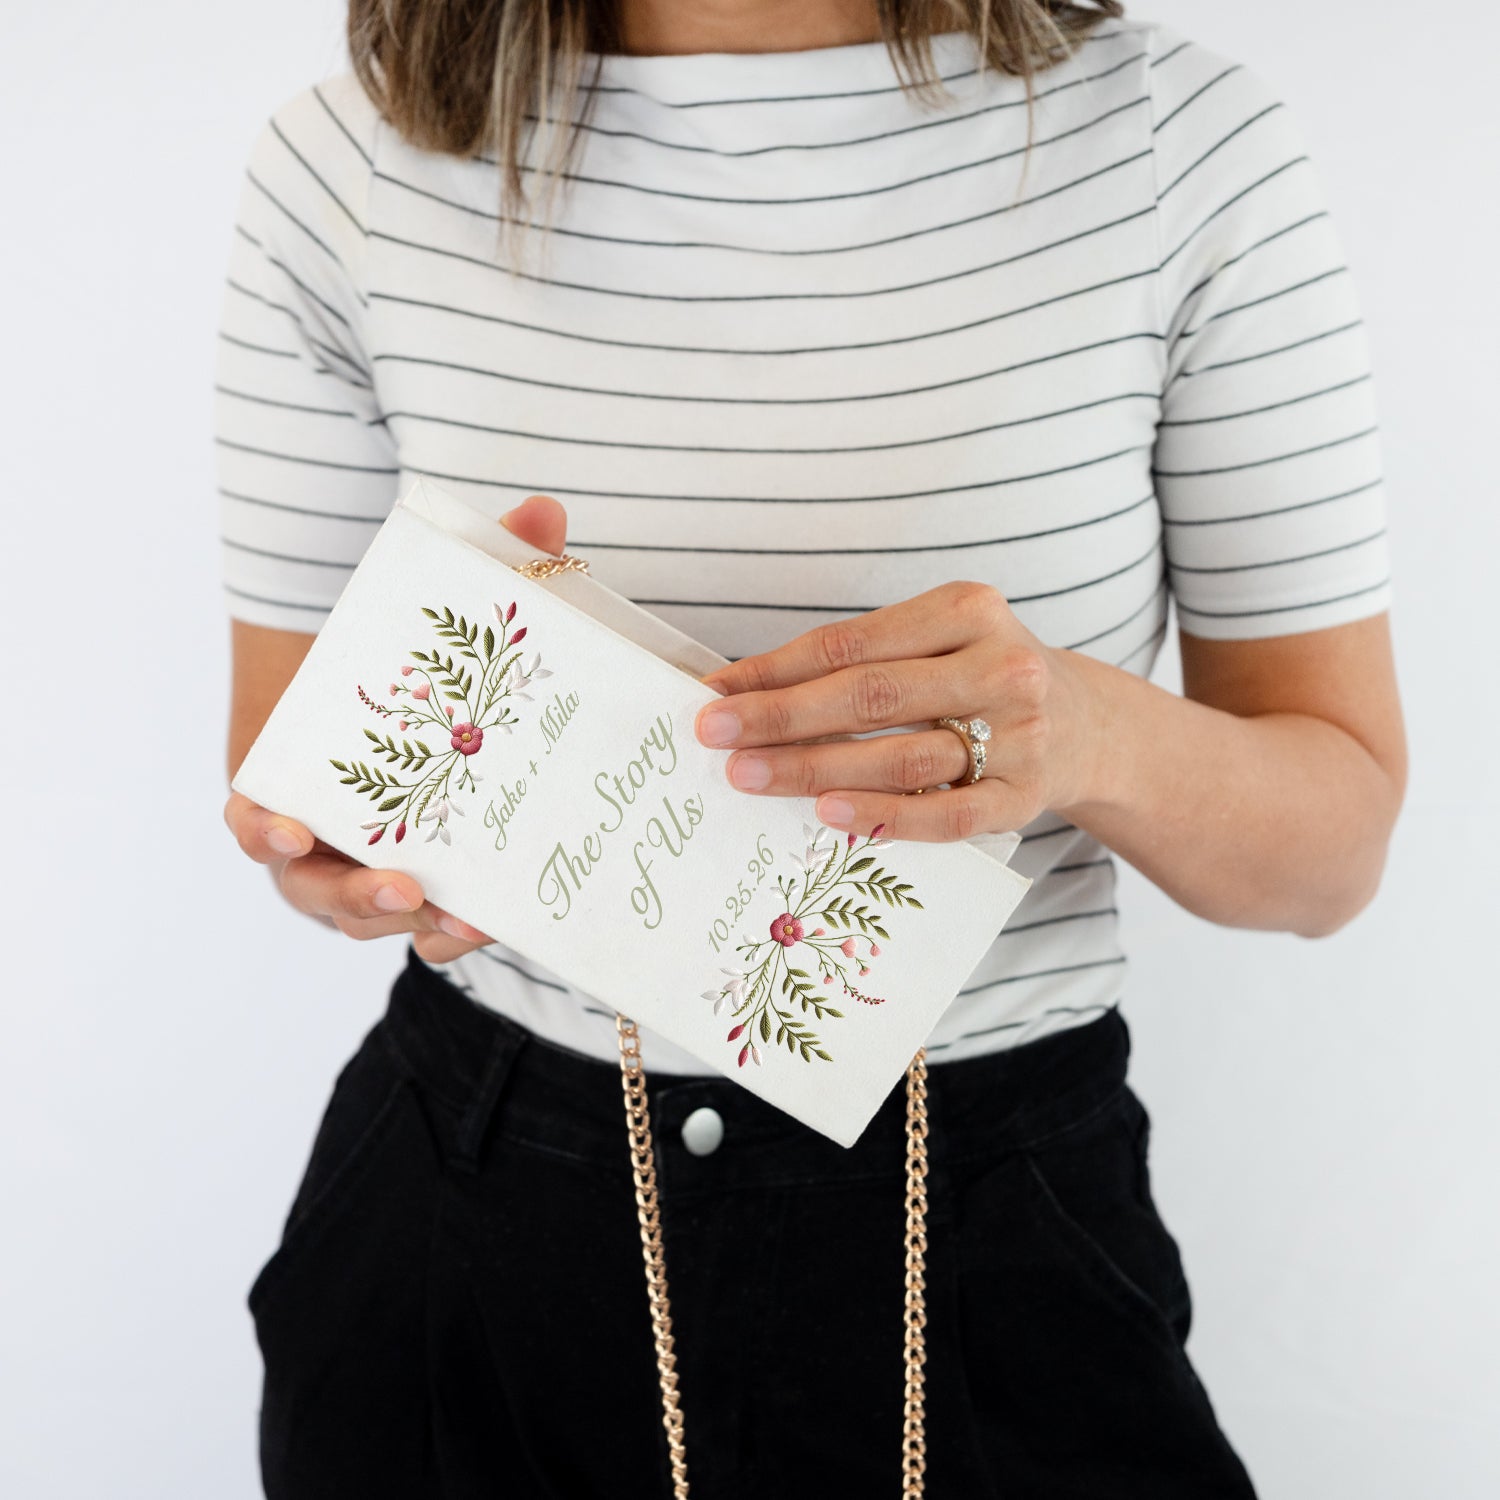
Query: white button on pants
(702, 1131)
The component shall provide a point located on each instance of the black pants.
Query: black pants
(458, 1305)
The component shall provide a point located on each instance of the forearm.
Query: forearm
(1276, 820)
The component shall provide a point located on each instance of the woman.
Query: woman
(914, 403)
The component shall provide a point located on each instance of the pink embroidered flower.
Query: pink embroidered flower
(828, 979)
(510, 614)
(406, 670)
(863, 970)
(467, 738)
(448, 709)
(400, 832)
(744, 1053)
(401, 724)
(395, 688)
(786, 930)
(874, 950)
(422, 690)
(375, 837)
(877, 830)
(852, 838)
(518, 637)
(819, 931)
(847, 947)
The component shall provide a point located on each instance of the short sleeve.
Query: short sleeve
(1267, 456)
(306, 466)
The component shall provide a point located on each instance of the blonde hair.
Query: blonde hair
(471, 77)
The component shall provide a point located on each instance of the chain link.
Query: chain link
(648, 1211)
(549, 567)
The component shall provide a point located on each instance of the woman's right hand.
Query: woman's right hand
(340, 892)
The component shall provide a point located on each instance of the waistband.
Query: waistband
(500, 1079)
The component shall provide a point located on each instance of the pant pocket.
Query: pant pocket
(348, 1136)
(1091, 1189)
(339, 1309)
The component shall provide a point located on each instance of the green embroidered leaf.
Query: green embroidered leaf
(765, 1026)
(860, 864)
(489, 642)
(389, 803)
(339, 764)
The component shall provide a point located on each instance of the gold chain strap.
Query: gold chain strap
(913, 1425)
(648, 1211)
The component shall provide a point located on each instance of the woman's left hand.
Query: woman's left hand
(956, 651)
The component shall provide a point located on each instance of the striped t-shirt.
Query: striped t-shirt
(802, 347)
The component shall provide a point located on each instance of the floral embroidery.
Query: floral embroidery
(836, 888)
(442, 684)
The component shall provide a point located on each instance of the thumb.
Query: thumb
(540, 520)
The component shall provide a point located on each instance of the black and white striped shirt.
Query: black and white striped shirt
(803, 347)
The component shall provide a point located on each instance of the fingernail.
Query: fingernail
(835, 811)
(283, 840)
(453, 927)
(390, 898)
(718, 728)
(749, 773)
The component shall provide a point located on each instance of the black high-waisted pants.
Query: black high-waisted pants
(458, 1307)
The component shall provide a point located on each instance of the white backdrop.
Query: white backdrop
(1324, 1111)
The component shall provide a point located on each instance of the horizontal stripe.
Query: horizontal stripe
(886, 343)
(1051, 1010)
(1312, 338)
(1281, 562)
(1278, 510)
(922, 442)
(1275, 458)
(1255, 411)
(874, 192)
(1281, 609)
(303, 458)
(301, 510)
(1002, 106)
(998, 541)
(240, 593)
(318, 411)
(694, 399)
(1156, 592)
(1285, 291)
(982, 484)
(855, 294)
(313, 562)
(990, 984)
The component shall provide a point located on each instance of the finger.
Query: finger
(885, 763)
(988, 806)
(332, 886)
(540, 520)
(940, 620)
(263, 835)
(427, 919)
(882, 695)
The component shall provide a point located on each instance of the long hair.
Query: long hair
(474, 78)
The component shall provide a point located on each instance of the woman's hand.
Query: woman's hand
(956, 651)
(340, 892)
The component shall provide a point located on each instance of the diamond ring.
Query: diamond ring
(975, 734)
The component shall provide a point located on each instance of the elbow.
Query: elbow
(1365, 870)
